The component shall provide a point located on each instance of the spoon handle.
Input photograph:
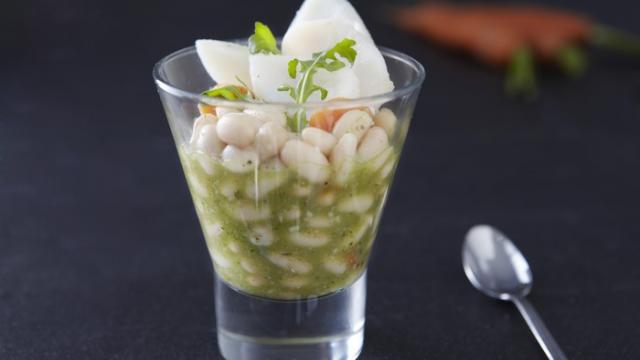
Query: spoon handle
(539, 329)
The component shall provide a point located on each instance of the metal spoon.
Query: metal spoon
(495, 266)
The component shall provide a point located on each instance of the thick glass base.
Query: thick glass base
(329, 327)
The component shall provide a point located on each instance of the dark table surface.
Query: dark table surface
(101, 256)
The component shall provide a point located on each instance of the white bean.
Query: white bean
(386, 170)
(208, 141)
(342, 157)
(266, 116)
(380, 159)
(307, 160)
(319, 138)
(198, 187)
(248, 212)
(319, 222)
(199, 207)
(292, 214)
(315, 173)
(309, 240)
(222, 111)
(265, 185)
(239, 160)
(228, 190)
(202, 120)
(326, 198)
(335, 266)
(355, 122)
(300, 190)
(356, 204)
(234, 247)
(237, 129)
(248, 265)
(255, 280)
(206, 163)
(270, 139)
(358, 231)
(219, 259)
(213, 230)
(346, 148)
(295, 282)
(387, 120)
(374, 142)
(261, 236)
(273, 164)
(290, 263)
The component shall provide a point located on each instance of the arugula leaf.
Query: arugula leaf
(249, 91)
(263, 41)
(229, 92)
(297, 122)
(327, 60)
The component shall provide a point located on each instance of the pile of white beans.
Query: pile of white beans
(243, 140)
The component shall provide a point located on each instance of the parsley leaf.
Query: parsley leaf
(263, 41)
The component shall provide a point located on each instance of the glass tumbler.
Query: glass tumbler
(289, 205)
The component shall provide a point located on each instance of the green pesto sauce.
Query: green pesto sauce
(232, 217)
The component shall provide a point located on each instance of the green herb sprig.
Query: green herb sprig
(327, 60)
(229, 92)
(263, 41)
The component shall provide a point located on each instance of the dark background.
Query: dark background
(101, 256)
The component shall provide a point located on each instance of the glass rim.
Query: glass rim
(398, 92)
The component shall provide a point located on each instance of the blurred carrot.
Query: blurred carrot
(514, 36)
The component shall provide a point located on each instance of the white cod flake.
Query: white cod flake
(309, 240)
(356, 204)
(261, 236)
(290, 263)
(224, 61)
(248, 212)
(335, 266)
(295, 282)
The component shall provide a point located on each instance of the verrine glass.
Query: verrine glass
(290, 215)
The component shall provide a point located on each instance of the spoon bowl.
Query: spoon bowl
(494, 265)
